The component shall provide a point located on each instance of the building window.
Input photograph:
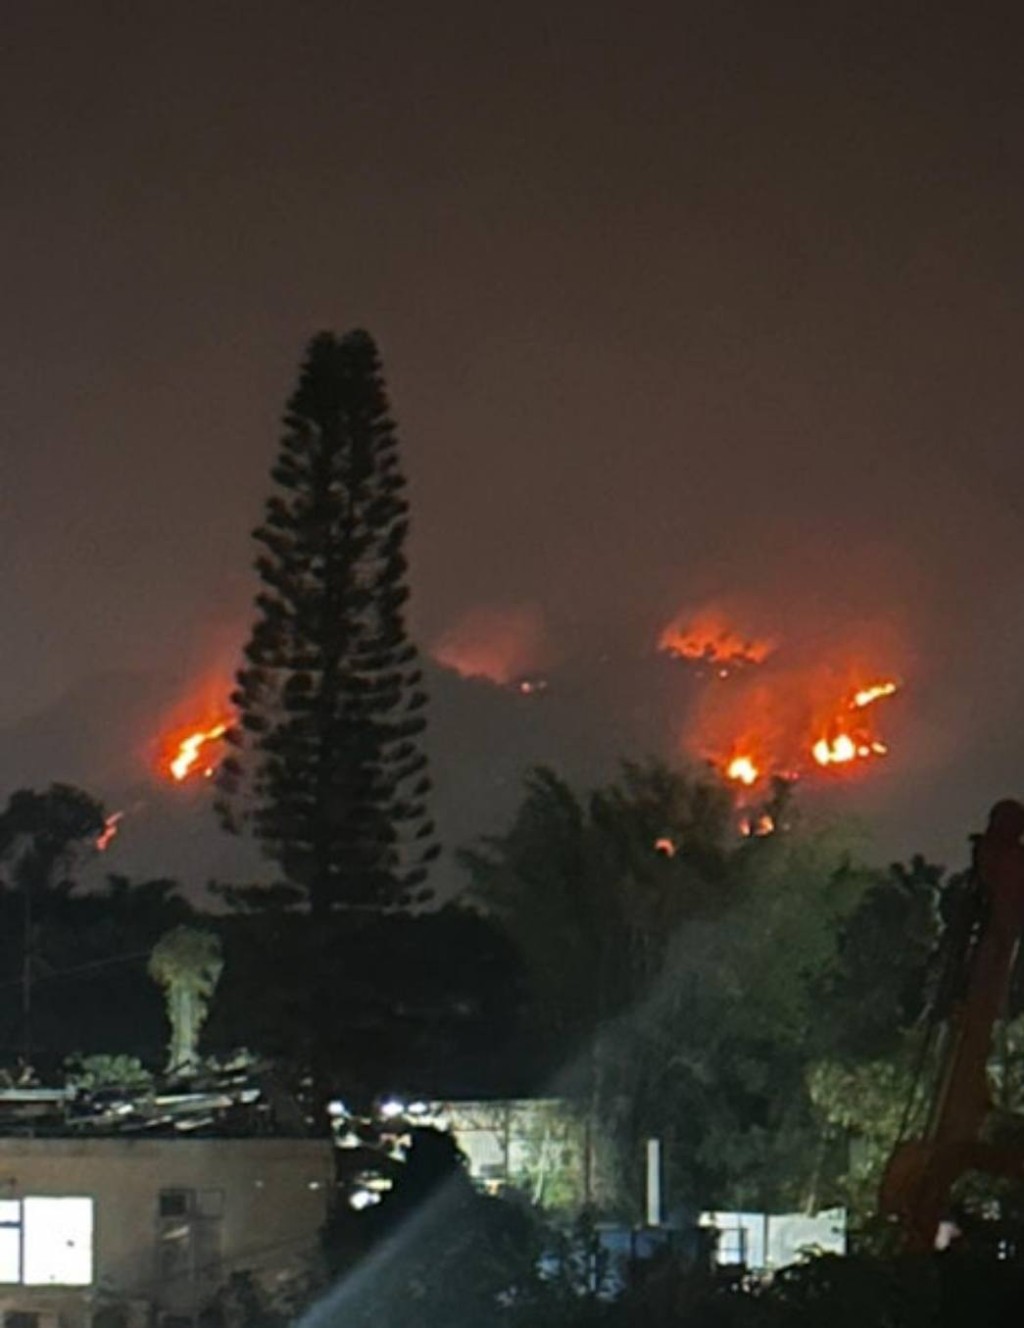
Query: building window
(21, 1319)
(189, 1236)
(176, 1203)
(46, 1241)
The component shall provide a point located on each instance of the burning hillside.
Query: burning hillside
(791, 722)
(767, 706)
(195, 753)
(191, 743)
(709, 638)
(789, 711)
(108, 834)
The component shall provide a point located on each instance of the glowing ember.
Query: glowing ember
(757, 826)
(109, 831)
(665, 846)
(185, 759)
(871, 694)
(835, 752)
(844, 747)
(709, 638)
(743, 770)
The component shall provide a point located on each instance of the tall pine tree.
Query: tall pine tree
(327, 770)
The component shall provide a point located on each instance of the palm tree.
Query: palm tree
(187, 963)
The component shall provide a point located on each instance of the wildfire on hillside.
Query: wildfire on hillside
(192, 752)
(851, 736)
(743, 770)
(186, 743)
(869, 695)
(796, 722)
(709, 638)
(783, 714)
(108, 834)
(756, 826)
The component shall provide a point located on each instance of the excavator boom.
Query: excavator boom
(921, 1172)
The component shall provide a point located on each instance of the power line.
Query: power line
(92, 965)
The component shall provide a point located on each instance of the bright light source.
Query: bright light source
(742, 769)
(57, 1237)
(360, 1199)
(392, 1108)
(10, 1253)
(869, 695)
(184, 759)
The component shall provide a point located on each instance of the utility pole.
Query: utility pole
(26, 975)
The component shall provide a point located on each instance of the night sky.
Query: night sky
(676, 301)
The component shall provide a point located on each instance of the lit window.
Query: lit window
(46, 1242)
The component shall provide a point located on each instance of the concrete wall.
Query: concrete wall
(255, 1204)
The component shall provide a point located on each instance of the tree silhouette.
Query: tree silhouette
(41, 835)
(326, 769)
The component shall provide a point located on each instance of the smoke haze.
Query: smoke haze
(698, 302)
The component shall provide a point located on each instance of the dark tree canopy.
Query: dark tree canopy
(327, 767)
(40, 834)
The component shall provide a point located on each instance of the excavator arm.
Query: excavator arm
(921, 1172)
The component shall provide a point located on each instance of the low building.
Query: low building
(144, 1229)
(540, 1147)
(764, 1242)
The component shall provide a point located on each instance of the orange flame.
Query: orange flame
(842, 749)
(109, 831)
(792, 720)
(844, 746)
(709, 638)
(757, 826)
(835, 752)
(869, 695)
(185, 752)
(743, 770)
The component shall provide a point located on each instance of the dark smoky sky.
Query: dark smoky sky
(676, 300)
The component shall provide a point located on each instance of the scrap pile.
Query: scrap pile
(234, 1101)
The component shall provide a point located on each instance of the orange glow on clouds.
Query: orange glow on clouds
(501, 645)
